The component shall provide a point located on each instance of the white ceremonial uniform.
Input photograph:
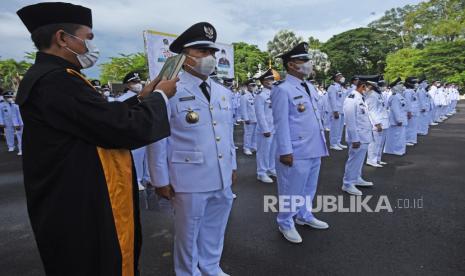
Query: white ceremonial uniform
(395, 136)
(324, 108)
(336, 99)
(424, 116)
(413, 107)
(299, 132)
(126, 95)
(197, 160)
(264, 114)
(248, 114)
(359, 128)
(11, 118)
(236, 103)
(379, 114)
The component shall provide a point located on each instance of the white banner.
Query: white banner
(157, 50)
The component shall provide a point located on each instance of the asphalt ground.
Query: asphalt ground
(423, 235)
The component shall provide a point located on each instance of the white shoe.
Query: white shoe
(314, 223)
(291, 235)
(141, 187)
(20, 153)
(433, 124)
(234, 196)
(247, 152)
(376, 165)
(236, 147)
(335, 147)
(410, 144)
(327, 129)
(342, 146)
(364, 183)
(382, 163)
(351, 189)
(11, 149)
(272, 173)
(264, 178)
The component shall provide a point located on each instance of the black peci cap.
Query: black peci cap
(41, 14)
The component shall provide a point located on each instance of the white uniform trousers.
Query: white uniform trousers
(10, 136)
(200, 222)
(375, 148)
(354, 164)
(250, 136)
(299, 180)
(265, 157)
(424, 119)
(336, 129)
(411, 130)
(138, 155)
(395, 140)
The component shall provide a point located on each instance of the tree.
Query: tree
(393, 21)
(437, 20)
(359, 51)
(438, 60)
(115, 69)
(282, 42)
(403, 63)
(246, 60)
(314, 43)
(11, 72)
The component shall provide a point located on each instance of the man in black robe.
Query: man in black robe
(82, 195)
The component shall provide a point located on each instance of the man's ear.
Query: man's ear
(59, 38)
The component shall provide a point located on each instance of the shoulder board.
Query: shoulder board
(351, 96)
(278, 82)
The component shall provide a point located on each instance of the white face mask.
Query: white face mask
(10, 100)
(305, 68)
(89, 58)
(205, 65)
(106, 93)
(136, 87)
(342, 80)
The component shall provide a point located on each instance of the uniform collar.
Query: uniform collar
(294, 80)
(195, 81)
(42, 57)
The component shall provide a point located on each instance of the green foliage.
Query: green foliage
(115, 69)
(359, 51)
(403, 63)
(438, 60)
(393, 22)
(246, 60)
(314, 43)
(11, 72)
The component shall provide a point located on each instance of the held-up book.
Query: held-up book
(172, 67)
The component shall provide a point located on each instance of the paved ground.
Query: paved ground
(409, 241)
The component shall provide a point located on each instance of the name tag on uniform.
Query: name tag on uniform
(184, 99)
(298, 97)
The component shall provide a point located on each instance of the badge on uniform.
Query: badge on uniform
(301, 107)
(192, 117)
(190, 98)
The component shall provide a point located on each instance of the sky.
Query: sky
(118, 24)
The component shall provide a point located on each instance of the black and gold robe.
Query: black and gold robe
(81, 189)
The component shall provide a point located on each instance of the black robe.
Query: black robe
(81, 189)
